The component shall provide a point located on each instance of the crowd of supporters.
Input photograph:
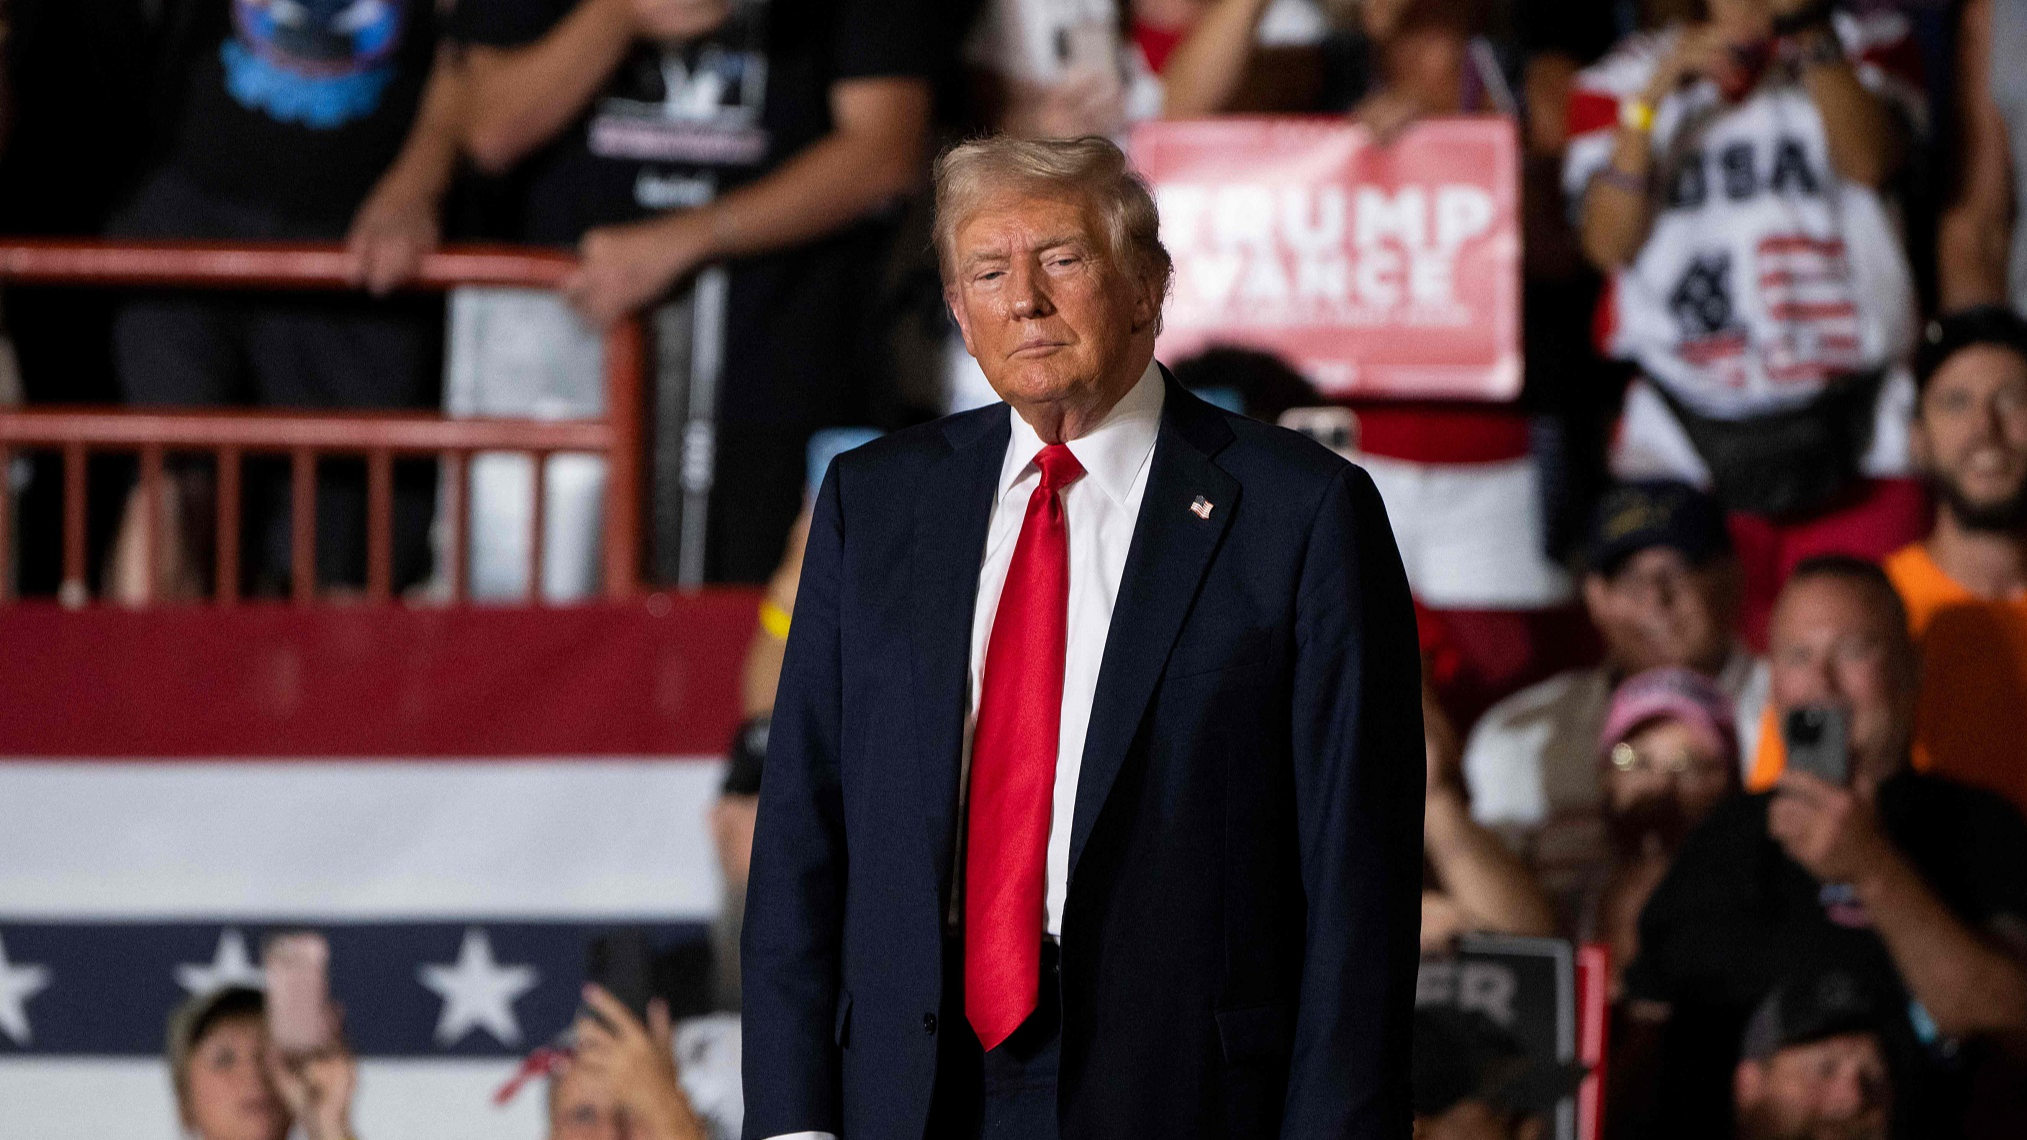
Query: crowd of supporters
(1771, 457)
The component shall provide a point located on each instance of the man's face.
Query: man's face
(1673, 779)
(1053, 315)
(1833, 643)
(586, 1107)
(1970, 437)
(1835, 1089)
(229, 1095)
(1658, 610)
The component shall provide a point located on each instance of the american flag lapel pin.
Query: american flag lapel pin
(1201, 507)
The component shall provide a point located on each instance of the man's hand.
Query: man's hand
(317, 1089)
(678, 19)
(1387, 114)
(623, 269)
(638, 1062)
(1831, 831)
(392, 231)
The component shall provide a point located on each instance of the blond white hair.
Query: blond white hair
(972, 173)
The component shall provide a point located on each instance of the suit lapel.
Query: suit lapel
(1172, 546)
(951, 518)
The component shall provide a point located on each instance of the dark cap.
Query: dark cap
(1635, 516)
(1810, 1007)
(1462, 1055)
(748, 755)
(1952, 333)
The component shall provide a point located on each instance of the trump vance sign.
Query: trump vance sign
(1377, 271)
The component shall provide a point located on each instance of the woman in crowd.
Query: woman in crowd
(1732, 175)
(231, 1084)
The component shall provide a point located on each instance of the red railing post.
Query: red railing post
(380, 524)
(152, 510)
(228, 525)
(73, 591)
(6, 524)
(538, 524)
(303, 524)
(625, 384)
(452, 467)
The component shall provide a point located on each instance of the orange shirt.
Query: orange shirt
(1971, 720)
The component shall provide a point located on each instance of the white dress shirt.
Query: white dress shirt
(1100, 510)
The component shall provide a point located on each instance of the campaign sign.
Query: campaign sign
(1377, 271)
(1526, 986)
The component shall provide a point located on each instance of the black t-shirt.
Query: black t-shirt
(296, 108)
(677, 123)
(1736, 916)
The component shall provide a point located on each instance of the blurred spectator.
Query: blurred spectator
(301, 122)
(1473, 1081)
(1472, 883)
(1661, 587)
(1980, 259)
(661, 137)
(1813, 1064)
(1731, 176)
(621, 1081)
(1668, 755)
(1391, 63)
(1058, 69)
(1913, 883)
(231, 1084)
(1966, 585)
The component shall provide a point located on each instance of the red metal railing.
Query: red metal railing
(305, 437)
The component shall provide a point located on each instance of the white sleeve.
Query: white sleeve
(803, 1136)
(1502, 770)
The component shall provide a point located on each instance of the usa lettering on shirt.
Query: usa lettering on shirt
(1765, 274)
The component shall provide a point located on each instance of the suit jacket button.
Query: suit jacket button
(929, 1024)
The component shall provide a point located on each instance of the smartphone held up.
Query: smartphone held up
(300, 1019)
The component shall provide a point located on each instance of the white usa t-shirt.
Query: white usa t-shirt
(1765, 274)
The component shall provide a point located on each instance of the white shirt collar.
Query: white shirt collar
(1112, 453)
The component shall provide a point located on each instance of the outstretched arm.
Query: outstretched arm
(1976, 230)
(795, 896)
(1357, 736)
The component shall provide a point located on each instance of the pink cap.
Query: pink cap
(1671, 694)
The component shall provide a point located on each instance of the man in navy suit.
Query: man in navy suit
(1092, 806)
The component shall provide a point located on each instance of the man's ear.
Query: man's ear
(1596, 595)
(1147, 303)
(1918, 449)
(953, 299)
(1748, 1084)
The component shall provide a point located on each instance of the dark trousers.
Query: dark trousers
(1010, 1092)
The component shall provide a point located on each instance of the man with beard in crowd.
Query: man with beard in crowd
(1965, 585)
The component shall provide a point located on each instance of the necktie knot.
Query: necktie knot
(1059, 467)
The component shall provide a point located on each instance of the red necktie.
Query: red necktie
(1013, 765)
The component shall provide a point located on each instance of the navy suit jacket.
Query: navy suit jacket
(1239, 938)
